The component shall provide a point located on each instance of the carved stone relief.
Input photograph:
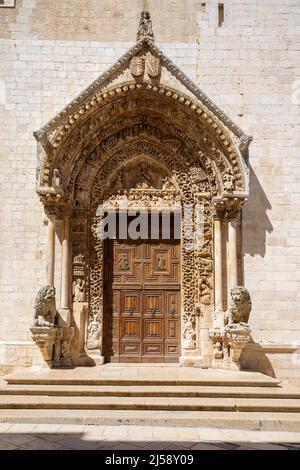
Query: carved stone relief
(144, 132)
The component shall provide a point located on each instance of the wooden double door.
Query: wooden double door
(141, 316)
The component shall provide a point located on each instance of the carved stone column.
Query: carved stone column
(65, 273)
(232, 268)
(218, 312)
(50, 266)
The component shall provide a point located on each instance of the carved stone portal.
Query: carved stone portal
(144, 134)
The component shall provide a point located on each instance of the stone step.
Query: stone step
(126, 376)
(289, 405)
(151, 391)
(207, 419)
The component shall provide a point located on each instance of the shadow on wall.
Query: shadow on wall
(254, 357)
(256, 225)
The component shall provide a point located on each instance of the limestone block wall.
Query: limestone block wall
(50, 50)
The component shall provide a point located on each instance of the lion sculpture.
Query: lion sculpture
(239, 311)
(44, 307)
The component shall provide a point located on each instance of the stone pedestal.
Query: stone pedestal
(235, 339)
(192, 359)
(45, 337)
(54, 344)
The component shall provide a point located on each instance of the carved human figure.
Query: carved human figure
(188, 335)
(78, 290)
(205, 290)
(166, 184)
(56, 178)
(119, 183)
(123, 264)
(94, 333)
(161, 263)
(145, 27)
(228, 180)
(218, 353)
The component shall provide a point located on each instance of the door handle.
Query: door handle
(152, 311)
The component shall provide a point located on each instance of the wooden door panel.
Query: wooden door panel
(130, 329)
(142, 301)
(172, 325)
(153, 303)
(131, 302)
(161, 264)
(127, 263)
(153, 329)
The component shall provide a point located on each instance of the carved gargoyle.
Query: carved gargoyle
(45, 313)
(238, 312)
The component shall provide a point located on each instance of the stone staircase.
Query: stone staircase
(166, 396)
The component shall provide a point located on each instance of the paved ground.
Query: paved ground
(69, 437)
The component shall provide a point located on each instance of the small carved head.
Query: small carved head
(145, 14)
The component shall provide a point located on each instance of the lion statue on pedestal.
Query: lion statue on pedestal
(44, 307)
(239, 311)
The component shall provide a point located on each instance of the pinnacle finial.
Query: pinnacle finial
(145, 27)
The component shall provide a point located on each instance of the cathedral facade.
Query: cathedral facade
(150, 184)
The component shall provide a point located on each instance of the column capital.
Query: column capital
(59, 211)
(233, 213)
(218, 213)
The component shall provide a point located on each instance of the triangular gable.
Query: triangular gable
(117, 73)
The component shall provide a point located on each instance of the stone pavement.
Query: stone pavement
(89, 437)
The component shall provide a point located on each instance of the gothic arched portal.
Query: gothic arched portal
(142, 131)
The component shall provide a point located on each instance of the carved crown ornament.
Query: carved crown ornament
(143, 80)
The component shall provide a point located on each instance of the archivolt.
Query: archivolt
(170, 117)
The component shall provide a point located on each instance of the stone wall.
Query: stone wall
(50, 50)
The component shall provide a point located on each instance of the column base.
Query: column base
(96, 356)
(230, 365)
(217, 364)
(194, 361)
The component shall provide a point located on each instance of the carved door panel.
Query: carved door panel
(153, 326)
(130, 325)
(172, 325)
(161, 264)
(141, 318)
